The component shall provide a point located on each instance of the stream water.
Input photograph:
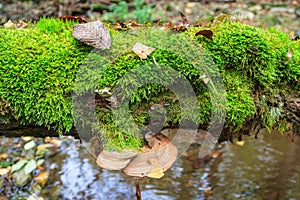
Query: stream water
(263, 168)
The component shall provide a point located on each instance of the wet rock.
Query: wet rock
(281, 10)
(297, 32)
(297, 11)
(20, 178)
(242, 14)
(29, 150)
(255, 8)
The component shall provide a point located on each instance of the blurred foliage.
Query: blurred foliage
(136, 10)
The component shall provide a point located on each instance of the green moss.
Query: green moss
(239, 102)
(254, 52)
(38, 67)
(255, 69)
(37, 70)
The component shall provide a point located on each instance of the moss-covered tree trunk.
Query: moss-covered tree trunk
(38, 67)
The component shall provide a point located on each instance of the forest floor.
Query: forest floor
(283, 14)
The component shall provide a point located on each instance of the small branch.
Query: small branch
(138, 190)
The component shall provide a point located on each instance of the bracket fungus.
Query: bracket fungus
(151, 162)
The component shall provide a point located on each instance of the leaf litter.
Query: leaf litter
(94, 34)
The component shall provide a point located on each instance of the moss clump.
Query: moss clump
(255, 69)
(253, 52)
(37, 70)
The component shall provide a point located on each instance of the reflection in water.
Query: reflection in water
(264, 168)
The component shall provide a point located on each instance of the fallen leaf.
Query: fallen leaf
(156, 169)
(134, 24)
(42, 178)
(73, 18)
(47, 139)
(39, 167)
(4, 171)
(3, 156)
(289, 56)
(206, 24)
(94, 34)
(142, 51)
(54, 141)
(123, 27)
(9, 25)
(43, 147)
(21, 25)
(240, 143)
(168, 26)
(206, 33)
(182, 24)
(220, 18)
(204, 78)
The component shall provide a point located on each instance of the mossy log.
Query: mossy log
(38, 68)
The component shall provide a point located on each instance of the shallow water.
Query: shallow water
(263, 168)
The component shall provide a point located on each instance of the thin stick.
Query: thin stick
(138, 190)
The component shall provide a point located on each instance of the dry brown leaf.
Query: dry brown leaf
(134, 24)
(94, 34)
(206, 33)
(21, 25)
(18, 25)
(73, 18)
(119, 26)
(8, 25)
(169, 26)
(142, 51)
(183, 24)
(204, 78)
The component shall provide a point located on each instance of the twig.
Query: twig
(138, 190)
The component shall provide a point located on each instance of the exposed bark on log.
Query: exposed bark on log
(14, 129)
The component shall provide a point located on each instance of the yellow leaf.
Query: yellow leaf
(3, 156)
(4, 171)
(156, 169)
(42, 178)
(44, 146)
(240, 143)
